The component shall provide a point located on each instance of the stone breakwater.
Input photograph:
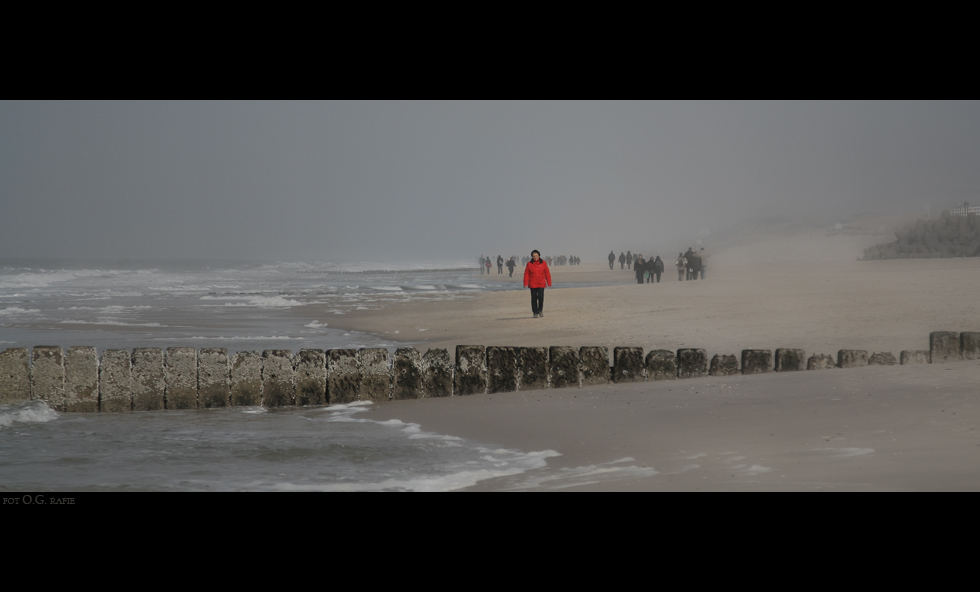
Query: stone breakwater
(947, 236)
(186, 378)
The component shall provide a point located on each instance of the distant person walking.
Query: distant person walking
(483, 261)
(500, 265)
(694, 263)
(489, 265)
(622, 260)
(612, 259)
(537, 276)
(511, 264)
(681, 264)
(704, 262)
(658, 268)
(639, 268)
(629, 259)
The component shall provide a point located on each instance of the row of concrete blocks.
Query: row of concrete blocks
(183, 377)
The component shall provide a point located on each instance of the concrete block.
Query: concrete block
(970, 345)
(820, 362)
(471, 370)
(595, 365)
(532, 368)
(149, 379)
(501, 369)
(437, 373)
(375, 374)
(882, 359)
(180, 374)
(343, 376)
(944, 346)
(661, 365)
(15, 375)
(852, 358)
(246, 379)
(914, 356)
(790, 360)
(311, 377)
(563, 366)
(116, 381)
(723, 365)
(691, 363)
(213, 379)
(406, 374)
(756, 361)
(48, 375)
(628, 364)
(278, 378)
(81, 379)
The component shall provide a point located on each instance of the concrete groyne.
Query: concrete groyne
(146, 379)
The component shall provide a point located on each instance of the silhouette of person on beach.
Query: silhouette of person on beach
(612, 259)
(483, 261)
(500, 265)
(511, 264)
(629, 259)
(622, 260)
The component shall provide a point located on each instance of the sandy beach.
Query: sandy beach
(796, 291)
(874, 428)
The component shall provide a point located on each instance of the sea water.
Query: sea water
(239, 306)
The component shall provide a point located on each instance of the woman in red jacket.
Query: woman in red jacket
(536, 277)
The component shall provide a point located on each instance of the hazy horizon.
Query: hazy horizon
(444, 181)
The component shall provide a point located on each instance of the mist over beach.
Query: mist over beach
(344, 225)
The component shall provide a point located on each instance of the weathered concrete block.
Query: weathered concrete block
(691, 363)
(723, 365)
(15, 375)
(246, 379)
(944, 346)
(756, 361)
(661, 365)
(81, 379)
(532, 368)
(471, 370)
(213, 379)
(595, 365)
(278, 378)
(406, 374)
(501, 369)
(48, 376)
(852, 358)
(180, 373)
(437, 372)
(311, 377)
(149, 379)
(375, 374)
(914, 356)
(970, 345)
(628, 364)
(882, 359)
(790, 360)
(343, 376)
(563, 366)
(820, 362)
(116, 381)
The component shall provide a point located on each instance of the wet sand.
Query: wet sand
(876, 428)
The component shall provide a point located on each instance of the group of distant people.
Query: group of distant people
(690, 265)
(486, 263)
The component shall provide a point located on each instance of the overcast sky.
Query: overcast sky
(330, 181)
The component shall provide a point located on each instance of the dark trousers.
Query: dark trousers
(658, 276)
(537, 300)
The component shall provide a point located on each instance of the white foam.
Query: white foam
(249, 338)
(27, 412)
(16, 310)
(388, 288)
(315, 325)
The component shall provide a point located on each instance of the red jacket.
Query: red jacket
(537, 275)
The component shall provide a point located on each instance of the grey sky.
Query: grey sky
(373, 181)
